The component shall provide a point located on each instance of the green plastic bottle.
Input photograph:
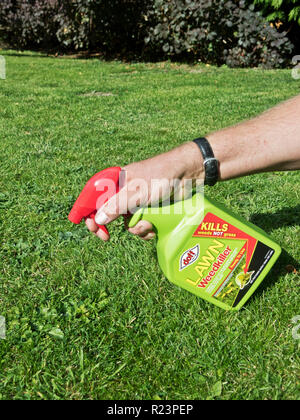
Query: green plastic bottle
(209, 251)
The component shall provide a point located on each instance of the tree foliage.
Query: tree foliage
(282, 10)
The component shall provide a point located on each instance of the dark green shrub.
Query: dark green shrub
(108, 26)
(30, 23)
(114, 26)
(217, 32)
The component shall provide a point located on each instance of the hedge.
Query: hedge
(218, 32)
(223, 32)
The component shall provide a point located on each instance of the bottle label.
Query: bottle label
(223, 261)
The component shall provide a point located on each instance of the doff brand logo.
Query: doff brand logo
(189, 257)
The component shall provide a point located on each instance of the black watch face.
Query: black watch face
(211, 172)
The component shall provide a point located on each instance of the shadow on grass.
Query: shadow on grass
(19, 53)
(279, 269)
(287, 216)
(56, 53)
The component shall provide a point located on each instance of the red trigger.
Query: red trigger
(99, 189)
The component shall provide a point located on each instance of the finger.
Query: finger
(149, 236)
(102, 235)
(142, 228)
(91, 225)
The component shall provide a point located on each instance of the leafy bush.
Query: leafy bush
(33, 22)
(227, 31)
(110, 26)
(224, 32)
(113, 26)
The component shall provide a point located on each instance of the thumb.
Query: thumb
(129, 199)
(116, 206)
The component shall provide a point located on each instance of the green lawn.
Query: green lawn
(91, 320)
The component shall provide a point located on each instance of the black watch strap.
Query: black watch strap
(211, 164)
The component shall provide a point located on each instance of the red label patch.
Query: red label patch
(214, 227)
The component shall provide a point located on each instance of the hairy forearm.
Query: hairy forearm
(266, 143)
(269, 142)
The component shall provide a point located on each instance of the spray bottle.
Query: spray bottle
(201, 246)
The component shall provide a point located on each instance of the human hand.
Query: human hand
(149, 182)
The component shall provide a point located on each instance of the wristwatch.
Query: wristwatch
(211, 164)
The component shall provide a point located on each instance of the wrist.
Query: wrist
(233, 155)
(189, 162)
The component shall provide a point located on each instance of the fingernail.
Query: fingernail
(101, 218)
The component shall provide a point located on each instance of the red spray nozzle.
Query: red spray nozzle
(99, 189)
